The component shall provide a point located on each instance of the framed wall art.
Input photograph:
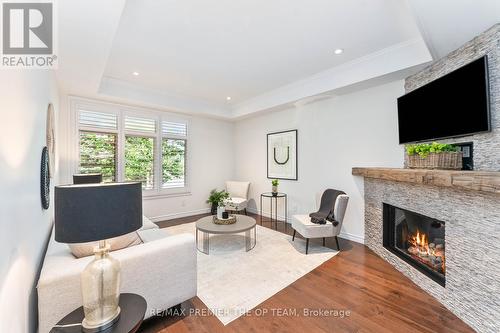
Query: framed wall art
(282, 155)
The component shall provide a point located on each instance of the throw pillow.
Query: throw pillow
(80, 250)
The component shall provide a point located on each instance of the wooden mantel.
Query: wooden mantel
(482, 181)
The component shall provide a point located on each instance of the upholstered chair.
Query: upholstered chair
(238, 192)
(303, 225)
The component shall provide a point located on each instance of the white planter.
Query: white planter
(275, 189)
(220, 210)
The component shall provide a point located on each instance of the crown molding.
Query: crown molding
(124, 90)
(388, 60)
(393, 59)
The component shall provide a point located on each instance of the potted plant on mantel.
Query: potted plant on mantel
(434, 156)
(275, 184)
(217, 199)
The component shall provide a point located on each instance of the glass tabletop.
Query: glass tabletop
(274, 195)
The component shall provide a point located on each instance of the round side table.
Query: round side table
(274, 219)
(133, 309)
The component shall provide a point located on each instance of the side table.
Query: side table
(274, 219)
(132, 307)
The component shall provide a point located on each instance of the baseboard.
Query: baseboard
(352, 237)
(179, 215)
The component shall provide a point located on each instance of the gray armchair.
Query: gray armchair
(303, 225)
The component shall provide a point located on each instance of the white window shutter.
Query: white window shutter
(94, 119)
(139, 124)
(169, 128)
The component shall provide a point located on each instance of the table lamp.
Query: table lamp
(97, 212)
(87, 178)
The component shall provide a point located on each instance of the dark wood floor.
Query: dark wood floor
(377, 297)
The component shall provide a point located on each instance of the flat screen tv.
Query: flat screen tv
(454, 105)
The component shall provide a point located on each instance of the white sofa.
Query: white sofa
(162, 270)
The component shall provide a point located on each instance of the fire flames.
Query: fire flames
(420, 241)
(430, 254)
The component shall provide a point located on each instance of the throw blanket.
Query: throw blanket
(325, 212)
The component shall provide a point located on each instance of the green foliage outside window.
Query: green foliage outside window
(98, 154)
(173, 162)
(139, 160)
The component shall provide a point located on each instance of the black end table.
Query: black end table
(275, 196)
(132, 306)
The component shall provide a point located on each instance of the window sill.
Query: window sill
(153, 195)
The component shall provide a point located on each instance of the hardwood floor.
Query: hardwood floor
(373, 296)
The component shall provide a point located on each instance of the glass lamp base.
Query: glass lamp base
(101, 291)
(87, 328)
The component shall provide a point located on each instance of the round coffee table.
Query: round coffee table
(243, 223)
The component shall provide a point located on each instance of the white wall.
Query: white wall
(209, 164)
(334, 135)
(24, 225)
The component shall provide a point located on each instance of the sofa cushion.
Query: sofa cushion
(80, 250)
(150, 235)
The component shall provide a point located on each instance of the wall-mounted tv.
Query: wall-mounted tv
(454, 105)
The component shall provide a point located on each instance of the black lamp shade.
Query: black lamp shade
(87, 178)
(94, 212)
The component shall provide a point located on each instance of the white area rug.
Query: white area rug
(232, 281)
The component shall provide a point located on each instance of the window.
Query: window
(173, 162)
(173, 151)
(126, 144)
(139, 160)
(98, 154)
(140, 150)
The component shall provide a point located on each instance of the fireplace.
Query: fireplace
(417, 239)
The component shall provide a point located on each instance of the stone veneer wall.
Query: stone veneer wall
(472, 221)
(486, 145)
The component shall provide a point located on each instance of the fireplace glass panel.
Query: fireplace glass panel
(418, 239)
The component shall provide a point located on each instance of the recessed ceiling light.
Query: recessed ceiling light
(338, 51)
(135, 73)
(228, 98)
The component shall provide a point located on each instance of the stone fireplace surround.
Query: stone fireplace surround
(472, 255)
(468, 202)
